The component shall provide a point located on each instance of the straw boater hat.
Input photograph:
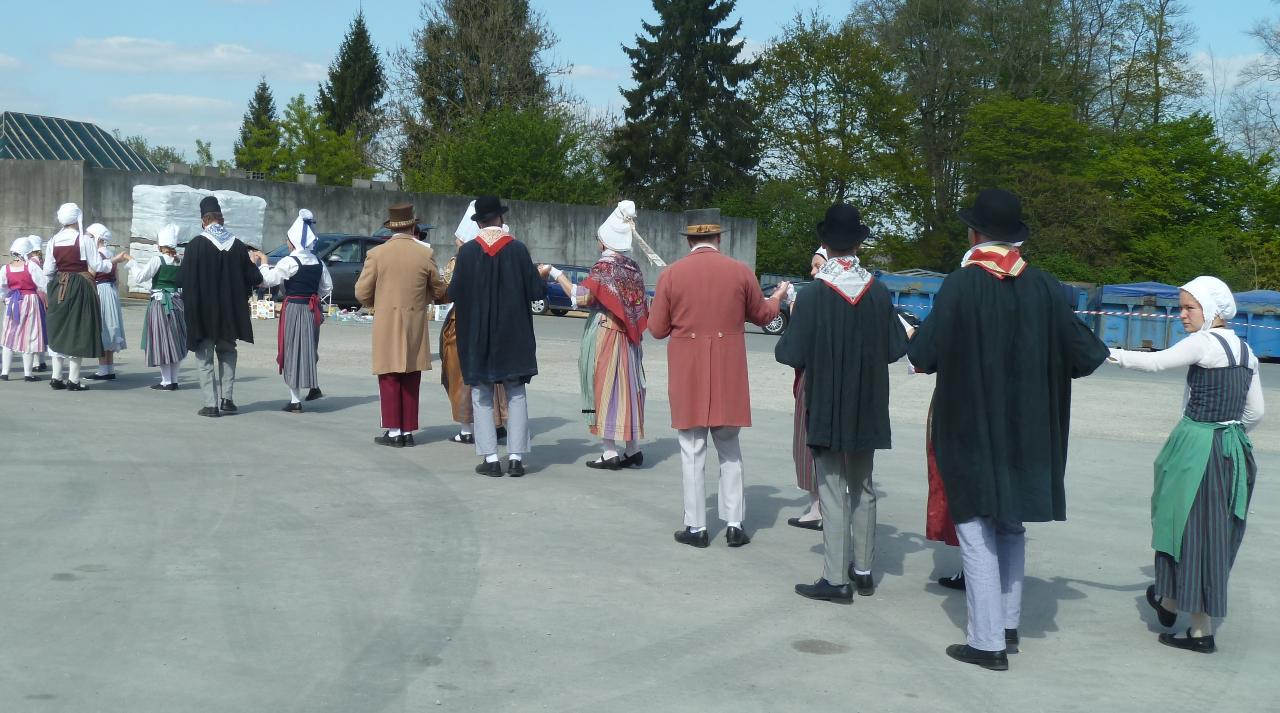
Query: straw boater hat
(400, 216)
(702, 223)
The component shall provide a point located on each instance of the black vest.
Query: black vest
(305, 282)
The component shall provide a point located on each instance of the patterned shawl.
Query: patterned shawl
(1000, 259)
(617, 284)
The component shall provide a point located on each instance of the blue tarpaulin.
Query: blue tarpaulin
(1258, 297)
(1140, 289)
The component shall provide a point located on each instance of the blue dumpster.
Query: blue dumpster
(1257, 321)
(1145, 315)
(912, 292)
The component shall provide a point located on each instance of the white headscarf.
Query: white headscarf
(69, 213)
(1215, 299)
(34, 244)
(99, 231)
(167, 237)
(20, 247)
(618, 229)
(303, 233)
(468, 229)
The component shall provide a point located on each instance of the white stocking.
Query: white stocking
(610, 448)
(28, 359)
(294, 396)
(57, 368)
(73, 370)
(632, 447)
(6, 360)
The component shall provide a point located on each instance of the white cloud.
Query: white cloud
(171, 104)
(587, 71)
(140, 55)
(751, 49)
(1223, 70)
(8, 62)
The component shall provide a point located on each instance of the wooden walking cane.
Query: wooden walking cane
(648, 251)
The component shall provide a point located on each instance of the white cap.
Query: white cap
(167, 237)
(20, 247)
(69, 213)
(99, 231)
(618, 229)
(1215, 299)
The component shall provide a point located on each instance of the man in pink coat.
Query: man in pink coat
(702, 302)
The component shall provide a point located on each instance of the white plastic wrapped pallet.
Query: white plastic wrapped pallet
(156, 206)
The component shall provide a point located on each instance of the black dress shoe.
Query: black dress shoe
(515, 467)
(101, 377)
(314, 393)
(292, 408)
(386, 439)
(42, 367)
(602, 463)
(76, 386)
(805, 524)
(1011, 641)
(57, 384)
(463, 438)
(955, 582)
(408, 440)
(493, 469)
(1198, 644)
(1167, 618)
(4, 377)
(635, 460)
(826, 591)
(694, 539)
(735, 537)
(164, 387)
(209, 411)
(990, 660)
(30, 378)
(229, 406)
(864, 583)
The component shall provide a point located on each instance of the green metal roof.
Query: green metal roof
(47, 138)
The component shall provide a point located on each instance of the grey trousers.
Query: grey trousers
(848, 501)
(994, 555)
(693, 461)
(486, 430)
(221, 385)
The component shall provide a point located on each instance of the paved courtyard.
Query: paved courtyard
(155, 561)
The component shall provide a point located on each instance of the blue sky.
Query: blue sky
(176, 72)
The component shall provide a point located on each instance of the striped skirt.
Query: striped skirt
(164, 333)
(801, 453)
(299, 346)
(613, 385)
(74, 321)
(112, 317)
(24, 329)
(1209, 543)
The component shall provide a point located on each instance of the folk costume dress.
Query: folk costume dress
(1205, 473)
(107, 286)
(164, 332)
(306, 283)
(24, 313)
(74, 319)
(610, 359)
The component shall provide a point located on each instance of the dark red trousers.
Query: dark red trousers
(399, 394)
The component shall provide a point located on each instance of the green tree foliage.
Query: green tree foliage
(258, 148)
(204, 152)
(349, 100)
(161, 156)
(688, 135)
(308, 145)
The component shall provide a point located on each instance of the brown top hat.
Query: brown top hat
(401, 216)
(702, 223)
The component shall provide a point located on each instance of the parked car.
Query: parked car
(557, 302)
(343, 255)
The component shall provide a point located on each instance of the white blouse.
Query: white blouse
(287, 266)
(37, 277)
(148, 271)
(1200, 349)
(88, 252)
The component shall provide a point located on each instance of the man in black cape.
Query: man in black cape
(1005, 345)
(216, 275)
(494, 280)
(844, 333)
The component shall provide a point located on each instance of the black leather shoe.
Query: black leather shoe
(314, 393)
(30, 378)
(635, 460)
(229, 406)
(1198, 644)
(461, 437)
(386, 439)
(491, 469)
(515, 467)
(735, 537)
(826, 591)
(602, 463)
(209, 411)
(292, 408)
(164, 387)
(805, 524)
(408, 440)
(1167, 618)
(42, 367)
(1011, 641)
(76, 386)
(694, 539)
(956, 582)
(990, 660)
(101, 377)
(57, 384)
(864, 583)
(4, 377)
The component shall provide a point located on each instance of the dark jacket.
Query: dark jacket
(215, 291)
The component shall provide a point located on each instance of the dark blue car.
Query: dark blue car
(557, 302)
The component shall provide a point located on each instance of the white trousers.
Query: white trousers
(693, 459)
(994, 555)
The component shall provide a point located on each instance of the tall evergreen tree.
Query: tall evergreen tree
(349, 99)
(687, 136)
(258, 148)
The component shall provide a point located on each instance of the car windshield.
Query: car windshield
(323, 243)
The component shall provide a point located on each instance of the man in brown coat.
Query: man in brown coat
(399, 282)
(702, 302)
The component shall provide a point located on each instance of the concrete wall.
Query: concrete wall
(30, 192)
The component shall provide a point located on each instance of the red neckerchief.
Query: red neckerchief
(501, 240)
(1001, 260)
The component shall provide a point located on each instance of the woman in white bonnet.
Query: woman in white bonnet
(1204, 475)
(20, 289)
(73, 320)
(113, 339)
(164, 330)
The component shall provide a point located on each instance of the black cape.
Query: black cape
(491, 296)
(215, 291)
(1005, 352)
(845, 351)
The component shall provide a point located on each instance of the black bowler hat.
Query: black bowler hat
(209, 204)
(487, 208)
(842, 228)
(997, 214)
